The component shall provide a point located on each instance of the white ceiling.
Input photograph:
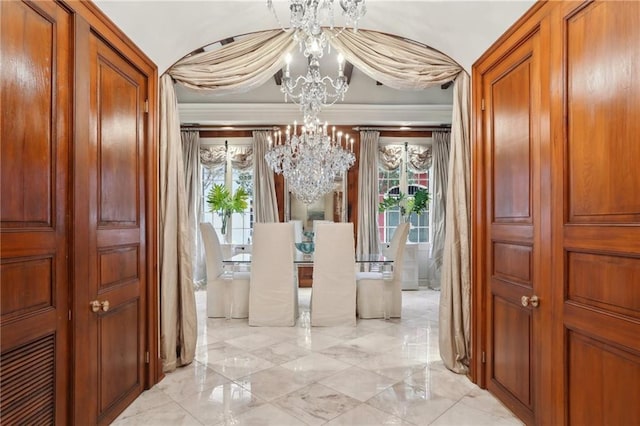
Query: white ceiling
(168, 30)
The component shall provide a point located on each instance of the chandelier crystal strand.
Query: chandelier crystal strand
(311, 91)
(311, 160)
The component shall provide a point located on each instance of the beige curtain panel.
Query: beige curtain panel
(367, 240)
(178, 324)
(264, 187)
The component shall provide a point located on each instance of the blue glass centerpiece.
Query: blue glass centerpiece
(306, 247)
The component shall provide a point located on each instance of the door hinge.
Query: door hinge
(69, 314)
(482, 104)
(146, 105)
(146, 357)
(483, 358)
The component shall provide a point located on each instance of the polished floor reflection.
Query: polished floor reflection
(378, 373)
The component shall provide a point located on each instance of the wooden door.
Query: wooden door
(510, 89)
(34, 273)
(596, 220)
(113, 174)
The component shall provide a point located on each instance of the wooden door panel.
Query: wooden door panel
(604, 281)
(117, 243)
(509, 90)
(602, 60)
(512, 262)
(510, 106)
(118, 156)
(28, 111)
(598, 227)
(121, 377)
(34, 274)
(511, 348)
(597, 372)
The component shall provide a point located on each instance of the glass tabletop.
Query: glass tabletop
(302, 259)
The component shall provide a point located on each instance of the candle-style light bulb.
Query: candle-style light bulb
(340, 65)
(287, 60)
(295, 125)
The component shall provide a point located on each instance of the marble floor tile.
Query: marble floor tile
(190, 380)
(220, 404)
(257, 340)
(146, 402)
(264, 415)
(316, 404)
(376, 373)
(366, 415)
(281, 352)
(464, 415)
(411, 403)
(239, 365)
(315, 367)
(358, 383)
(169, 414)
(272, 383)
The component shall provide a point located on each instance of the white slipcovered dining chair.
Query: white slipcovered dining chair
(333, 296)
(377, 295)
(298, 236)
(228, 298)
(318, 222)
(273, 293)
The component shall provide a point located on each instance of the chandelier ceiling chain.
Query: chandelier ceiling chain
(311, 160)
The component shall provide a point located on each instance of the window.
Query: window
(392, 182)
(240, 225)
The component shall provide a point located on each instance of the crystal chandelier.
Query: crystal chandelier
(311, 160)
(313, 91)
(313, 88)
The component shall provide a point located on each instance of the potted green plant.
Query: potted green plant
(222, 202)
(409, 204)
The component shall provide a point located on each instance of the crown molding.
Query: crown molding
(339, 114)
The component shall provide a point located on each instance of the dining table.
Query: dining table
(241, 262)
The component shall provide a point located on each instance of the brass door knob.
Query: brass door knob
(533, 301)
(96, 305)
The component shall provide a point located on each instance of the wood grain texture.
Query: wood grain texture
(512, 262)
(120, 353)
(118, 265)
(605, 281)
(603, 383)
(117, 214)
(29, 64)
(512, 330)
(511, 103)
(35, 77)
(118, 149)
(27, 285)
(603, 109)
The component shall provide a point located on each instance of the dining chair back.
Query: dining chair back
(273, 293)
(225, 297)
(375, 295)
(333, 296)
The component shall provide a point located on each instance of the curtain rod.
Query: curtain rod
(225, 128)
(404, 128)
